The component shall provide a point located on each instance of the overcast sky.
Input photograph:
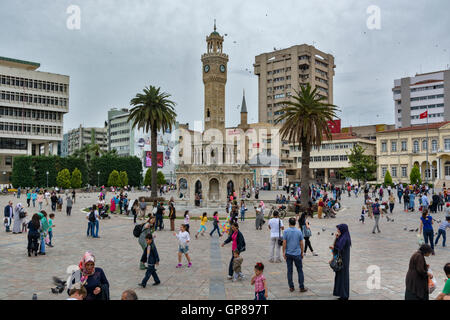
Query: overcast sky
(123, 46)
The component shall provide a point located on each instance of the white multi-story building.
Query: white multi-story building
(415, 95)
(32, 107)
(133, 142)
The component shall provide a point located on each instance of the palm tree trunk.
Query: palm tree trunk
(305, 173)
(154, 148)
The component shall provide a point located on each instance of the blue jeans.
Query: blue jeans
(216, 227)
(243, 215)
(260, 295)
(90, 229)
(50, 236)
(442, 233)
(298, 264)
(42, 244)
(96, 224)
(34, 203)
(428, 235)
(158, 221)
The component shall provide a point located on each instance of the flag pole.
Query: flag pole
(428, 165)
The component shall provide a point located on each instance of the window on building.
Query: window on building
(394, 172)
(394, 146)
(383, 171)
(416, 146)
(383, 147)
(424, 145)
(404, 146)
(434, 145)
(404, 172)
(447, 144)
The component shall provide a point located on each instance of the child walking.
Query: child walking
(260, 282)
(186, 220)
(202, 225)
(183, 245)
(215, 224)
(442, 231)
(237, 263)
(150, 255)
(50, 229)
(363, 213)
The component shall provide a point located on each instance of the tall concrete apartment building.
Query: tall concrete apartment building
(281, 71)
(80, 137)
(415, 95)
(32, 107)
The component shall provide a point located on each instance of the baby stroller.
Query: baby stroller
(104, 213)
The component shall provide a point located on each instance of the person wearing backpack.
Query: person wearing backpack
(306, 230)
(92, 217)
(376, 215)
(238, 243)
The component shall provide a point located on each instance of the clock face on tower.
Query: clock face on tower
(206, 68)
(222, 68)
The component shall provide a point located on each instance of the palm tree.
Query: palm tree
(305, 123)
(153, 111)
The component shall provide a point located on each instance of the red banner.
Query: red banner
(335, 126)
(424, 115)
(159, 159)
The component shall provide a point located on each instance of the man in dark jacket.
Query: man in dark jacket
(150, 255)
(8, 215)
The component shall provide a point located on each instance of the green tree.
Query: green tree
(63, 179)
(76, 179)
(22, 172)
(360, 161)
(114, 179)
(304, 124)
(123, 178)
(152, 111)
(148, 177)
(387, 179)
(160, 178)
(414, 176)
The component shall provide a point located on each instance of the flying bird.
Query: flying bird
(323, 229)
(60, 285)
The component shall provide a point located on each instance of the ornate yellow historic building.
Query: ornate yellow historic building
(399, 150)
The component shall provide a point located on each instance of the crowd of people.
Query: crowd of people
(290, 242)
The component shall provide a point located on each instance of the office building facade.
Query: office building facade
(281, 71)
(415, 95)
(32, 107)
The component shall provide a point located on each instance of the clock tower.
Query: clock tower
(214, 78)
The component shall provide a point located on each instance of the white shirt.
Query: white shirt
(96, 215)
(183, 238)
(274, 225)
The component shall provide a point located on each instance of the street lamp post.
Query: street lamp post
(365, 175)
(47, 178)
(98, 178)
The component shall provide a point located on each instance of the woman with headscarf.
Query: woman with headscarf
(305, 227)
(320, 206)
(91, 277)
(341, 247)
(418, 275)
(19, 215)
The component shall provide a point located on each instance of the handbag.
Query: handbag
(306, 232)
(337, 264)
(280, 241)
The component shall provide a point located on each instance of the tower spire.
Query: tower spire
(244, 104)
(215, 25)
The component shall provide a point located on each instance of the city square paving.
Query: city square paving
(117, 251)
